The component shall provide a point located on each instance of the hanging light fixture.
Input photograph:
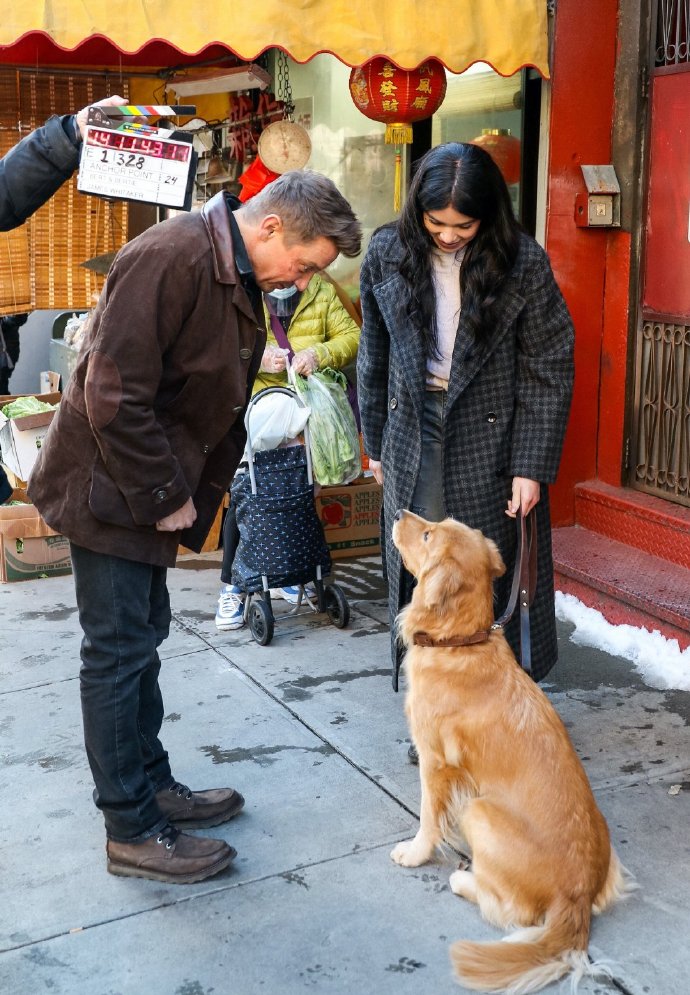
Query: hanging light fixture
(246, 77)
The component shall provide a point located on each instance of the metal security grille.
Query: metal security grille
(672, 33)
(662, 417)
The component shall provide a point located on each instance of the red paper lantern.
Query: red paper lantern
(504, 149)
(397, 97)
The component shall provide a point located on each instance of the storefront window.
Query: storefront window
(347, 147)
(481, 106)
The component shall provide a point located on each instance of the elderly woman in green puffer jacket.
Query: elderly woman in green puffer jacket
(320, 331)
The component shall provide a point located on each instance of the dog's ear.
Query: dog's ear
(441, 581)
(498, 567)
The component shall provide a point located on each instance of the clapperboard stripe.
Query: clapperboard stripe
(146, 110)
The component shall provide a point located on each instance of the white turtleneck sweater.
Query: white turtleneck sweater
(446, 277)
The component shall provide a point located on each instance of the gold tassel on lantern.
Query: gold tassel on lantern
(398, 133)
(397, 181)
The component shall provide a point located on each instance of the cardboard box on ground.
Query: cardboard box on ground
(350, 517)
(28, 547)
(21, 438)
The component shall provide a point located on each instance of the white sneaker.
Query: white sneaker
(230, 611)
(291, 594)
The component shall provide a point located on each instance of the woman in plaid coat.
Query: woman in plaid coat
(465, 372)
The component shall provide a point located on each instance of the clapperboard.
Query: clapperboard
(124, 159)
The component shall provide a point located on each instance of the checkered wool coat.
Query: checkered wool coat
(507, 409)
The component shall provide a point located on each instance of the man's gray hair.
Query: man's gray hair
(309, 205)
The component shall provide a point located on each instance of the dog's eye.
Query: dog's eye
(425, 536)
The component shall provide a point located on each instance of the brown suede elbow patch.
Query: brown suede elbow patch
(102, 389)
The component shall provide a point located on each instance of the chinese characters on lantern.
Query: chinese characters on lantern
(417, 99)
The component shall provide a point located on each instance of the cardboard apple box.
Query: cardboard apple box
(350, 516)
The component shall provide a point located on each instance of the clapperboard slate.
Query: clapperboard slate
(123, 159)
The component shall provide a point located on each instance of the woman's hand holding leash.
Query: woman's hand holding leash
(525, 496)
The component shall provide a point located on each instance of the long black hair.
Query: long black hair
(464, 177)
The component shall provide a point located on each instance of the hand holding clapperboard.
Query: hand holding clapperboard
(123, 159)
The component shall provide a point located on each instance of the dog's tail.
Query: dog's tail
(619, 885)
(527, 960)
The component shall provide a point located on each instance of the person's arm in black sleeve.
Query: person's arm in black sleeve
(36, 168)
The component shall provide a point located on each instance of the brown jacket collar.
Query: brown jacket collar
(217, 222)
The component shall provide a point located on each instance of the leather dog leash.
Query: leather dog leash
(523, 587)
(524, 584)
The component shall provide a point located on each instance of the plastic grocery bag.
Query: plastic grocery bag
(273, 419)
(333, 436)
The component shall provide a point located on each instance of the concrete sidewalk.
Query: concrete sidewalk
(311, 733)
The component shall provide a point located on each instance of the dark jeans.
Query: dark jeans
(427, 499)
(124, 610)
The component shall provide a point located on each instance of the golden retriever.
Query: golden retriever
(498, 771)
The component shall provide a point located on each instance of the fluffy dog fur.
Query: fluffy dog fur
(497, 770)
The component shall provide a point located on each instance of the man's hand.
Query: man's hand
(83, 113)
(183, 518)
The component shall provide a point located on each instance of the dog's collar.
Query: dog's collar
(424, 639)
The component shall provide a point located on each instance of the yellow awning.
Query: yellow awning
(507, 34)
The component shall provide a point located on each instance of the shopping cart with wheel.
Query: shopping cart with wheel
(281, 540)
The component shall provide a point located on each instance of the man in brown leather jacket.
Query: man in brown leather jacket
(146, 440)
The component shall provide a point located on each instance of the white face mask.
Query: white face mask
(284, 293)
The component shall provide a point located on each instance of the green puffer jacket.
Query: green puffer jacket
(320, 322)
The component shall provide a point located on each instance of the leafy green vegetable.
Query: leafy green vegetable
(26, 406)
(333, 436)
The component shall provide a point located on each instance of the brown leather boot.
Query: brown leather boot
(189, 809)
(169, 856)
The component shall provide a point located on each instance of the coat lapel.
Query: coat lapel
(408, 346)
(468, 356)
(215, 217)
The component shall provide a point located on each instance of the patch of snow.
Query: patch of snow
(659, 661)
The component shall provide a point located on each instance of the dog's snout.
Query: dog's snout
(399, 514)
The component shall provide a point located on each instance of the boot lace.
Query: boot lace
(168, 835)
(181, 790)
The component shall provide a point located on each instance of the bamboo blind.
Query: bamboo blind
(15, 270)
(40, 262)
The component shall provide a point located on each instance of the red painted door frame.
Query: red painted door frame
(592, 265)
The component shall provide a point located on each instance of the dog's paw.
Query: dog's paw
(409, 854)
